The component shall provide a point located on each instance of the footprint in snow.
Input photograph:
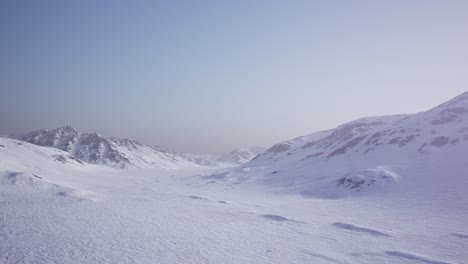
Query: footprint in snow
(197, 197)
(413, 257)
(321, 257)
(359, 229)
(275, 217)
(459, 235)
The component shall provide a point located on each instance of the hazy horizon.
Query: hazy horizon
(211, 76)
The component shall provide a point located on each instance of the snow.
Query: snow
(92, 214)
(149, 217)
(367, 203)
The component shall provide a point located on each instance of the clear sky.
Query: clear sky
(209, 76)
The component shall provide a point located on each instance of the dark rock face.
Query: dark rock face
(94, 148)
(62, 138)
(91, 148)
(344, 148)
(350, 183)
(309, 145)
(440, 141)
(364, 180)
(394, 141)
(349, 137)
(66, 159)
(345, 133)
(407, 140)
(449, 115)
(314, 155)
(278, 148)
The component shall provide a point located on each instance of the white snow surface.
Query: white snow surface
(357, 202)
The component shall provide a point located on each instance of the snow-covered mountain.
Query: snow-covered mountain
(235, 157)
(367, 154)
(122, 153)
(240, 156)
(96, 149)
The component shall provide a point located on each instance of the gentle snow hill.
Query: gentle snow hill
(114, 152)
(16, 154)
(375, 154)
(37, 168)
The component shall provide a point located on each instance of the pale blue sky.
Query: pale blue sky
(208, 76)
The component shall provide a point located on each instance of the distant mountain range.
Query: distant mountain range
(235, 157)
(415, 153)
(122, 153)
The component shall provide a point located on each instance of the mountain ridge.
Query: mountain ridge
(365, 154)
(125, 153)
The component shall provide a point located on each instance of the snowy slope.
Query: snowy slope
(16, 154)
(376, 154)
(42, 169)
(96, 149)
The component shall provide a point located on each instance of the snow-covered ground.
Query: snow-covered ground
(150, 217)
(56, 212)
(376, 190)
